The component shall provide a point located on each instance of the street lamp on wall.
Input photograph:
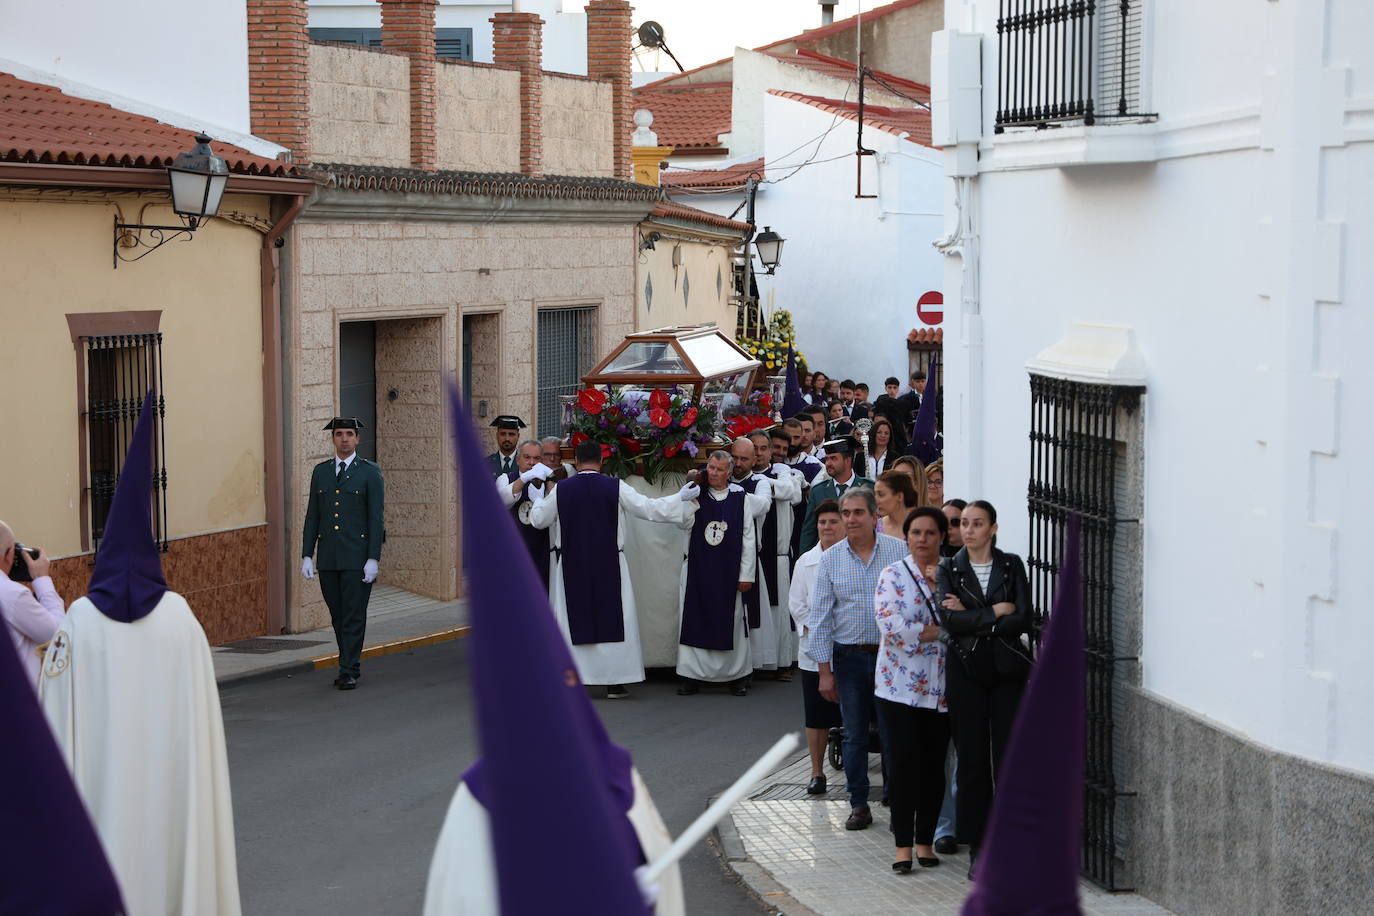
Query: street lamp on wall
(768, 244)
(197, 180)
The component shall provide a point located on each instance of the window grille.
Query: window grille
(567, 352)
(1079, 465)
(451, 43)
(120, 369)
(1068, 60)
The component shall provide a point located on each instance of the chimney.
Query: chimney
(608, 57)
(408, 27)
(518, 42)
(279, 74)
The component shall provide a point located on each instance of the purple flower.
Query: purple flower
(691, 448)
(602, 423)
(622, 430)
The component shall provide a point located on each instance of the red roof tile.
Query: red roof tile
(40, 123)
(843, 69)
(672, 210)
(926, 335)
(915, 122)
(733, 176)
(688, 116)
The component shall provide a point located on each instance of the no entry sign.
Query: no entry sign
(930, 308)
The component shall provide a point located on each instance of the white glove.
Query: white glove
(782, 470)
(369, 570)
(308, 568)
(538, 472)
(689, 492)
(649, 892)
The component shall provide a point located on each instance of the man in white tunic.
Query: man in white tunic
(714, 645)
(763, 638)
(593, 599)
(128, 687)
(520, 489)
(788, 484)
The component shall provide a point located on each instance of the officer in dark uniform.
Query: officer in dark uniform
(343, 521)
(502, 461)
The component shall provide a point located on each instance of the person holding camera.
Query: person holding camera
(32, 617)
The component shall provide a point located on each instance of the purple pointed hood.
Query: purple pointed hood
(128, 583)
(923, 431)
(546, 759)
(792, 399)
(1029, 863)
(54, 864)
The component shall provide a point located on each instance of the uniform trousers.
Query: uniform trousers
(347, 594)
(915, 739)
(982, 708)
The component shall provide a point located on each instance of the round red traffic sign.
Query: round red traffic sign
(930, 308)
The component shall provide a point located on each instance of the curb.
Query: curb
(762, 884)
(306, 665)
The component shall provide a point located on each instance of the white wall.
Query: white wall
(149, 52)
(1236, 259)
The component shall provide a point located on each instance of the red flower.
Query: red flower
(688, 418)
(738, 426)
(659, 399)
(765, 400)
(660, 417)
(605, 451)
(591, 400)
(671, 450)
(629, 445)
(577, 439)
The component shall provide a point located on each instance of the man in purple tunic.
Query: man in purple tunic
(590, 588)
(713, 644)
(520, 489)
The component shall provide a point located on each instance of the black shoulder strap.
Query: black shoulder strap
(930, 605)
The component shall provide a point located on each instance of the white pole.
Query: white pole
(727, 800)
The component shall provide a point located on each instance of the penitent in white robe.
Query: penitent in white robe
(787, 492)
(719, 665)
(135, 710)
(763, 639)
(462, 874)
(607, 662)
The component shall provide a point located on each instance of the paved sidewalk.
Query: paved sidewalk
(396, 621)
(793, 850)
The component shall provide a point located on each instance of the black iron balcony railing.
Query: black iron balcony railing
(1068, 60)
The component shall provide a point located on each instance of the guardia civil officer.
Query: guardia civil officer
(503, 460)
(343, 520)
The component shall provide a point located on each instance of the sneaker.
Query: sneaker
(616, 692)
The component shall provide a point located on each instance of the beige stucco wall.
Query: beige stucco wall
(55, 259)
(477, 118)
(577, 127)
(359, 106)
(687, 293)
(384, 270)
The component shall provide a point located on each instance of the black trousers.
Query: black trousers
(982, 708)
(916, 741)
(346, 594)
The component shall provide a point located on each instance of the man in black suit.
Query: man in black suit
(910, 402)
(502, 461)
(853, 410)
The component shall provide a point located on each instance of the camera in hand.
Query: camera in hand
(19, 572)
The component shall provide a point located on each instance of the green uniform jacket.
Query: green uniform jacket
(819, 494)
(344, 519)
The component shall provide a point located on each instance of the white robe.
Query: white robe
(135, 710)
(787, 492)
(722, 665)
(606, 662)
(763, 639)
(462, 874)
(799, 601)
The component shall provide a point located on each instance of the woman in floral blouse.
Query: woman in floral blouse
(910, 687)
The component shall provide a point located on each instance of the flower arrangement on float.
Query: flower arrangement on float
(645, 432)
(772, 349)
(756, 412)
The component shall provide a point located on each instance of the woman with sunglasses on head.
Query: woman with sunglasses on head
(954, 510)
(910, 689)
(985, 599)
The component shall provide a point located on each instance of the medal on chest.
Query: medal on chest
(715, 533)
(523, 513)
(58, 655)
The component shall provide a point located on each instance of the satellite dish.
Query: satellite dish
(651, 34)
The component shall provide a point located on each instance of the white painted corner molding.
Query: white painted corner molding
(1100, 354)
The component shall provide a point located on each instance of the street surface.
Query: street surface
(338, 796)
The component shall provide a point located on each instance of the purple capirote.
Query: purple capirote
(55, 865)
(546, 758)
(1029, 862)
(923, 430)
(127, 582)
(792, 399)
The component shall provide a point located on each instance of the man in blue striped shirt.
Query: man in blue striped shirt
(844, 634)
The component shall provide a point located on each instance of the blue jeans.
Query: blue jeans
(946, 825)
(853, 669)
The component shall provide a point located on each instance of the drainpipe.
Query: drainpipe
(278, 556)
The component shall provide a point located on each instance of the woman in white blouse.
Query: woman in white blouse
(881, 453)
(910, 689)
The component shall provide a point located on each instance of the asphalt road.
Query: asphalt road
(339, 796)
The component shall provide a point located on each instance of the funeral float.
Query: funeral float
(659, 404)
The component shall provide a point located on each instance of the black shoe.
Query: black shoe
(816, 786)
(739, 690)
(347, 682)
(972, 859)
(687, 690)
(946, 846)
(616, 692)
(927, 862)
(902, 868)
(859, 819)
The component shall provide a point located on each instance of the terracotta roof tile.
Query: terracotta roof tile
(672, 210)
(732, 176)
(688, 116)
(40, 123)
(843, 69)
(915, 122)
(925, 335)
(844, 25)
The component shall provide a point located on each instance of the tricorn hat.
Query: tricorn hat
(345, 423)
(843, 446)
(508, 421)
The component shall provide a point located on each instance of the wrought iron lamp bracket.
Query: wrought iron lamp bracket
(130, 237)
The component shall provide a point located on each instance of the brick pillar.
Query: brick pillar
(608, 58)
(279, 74)
(518, 41)
(408, 27)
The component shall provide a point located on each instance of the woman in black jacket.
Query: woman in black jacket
(987, 604)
